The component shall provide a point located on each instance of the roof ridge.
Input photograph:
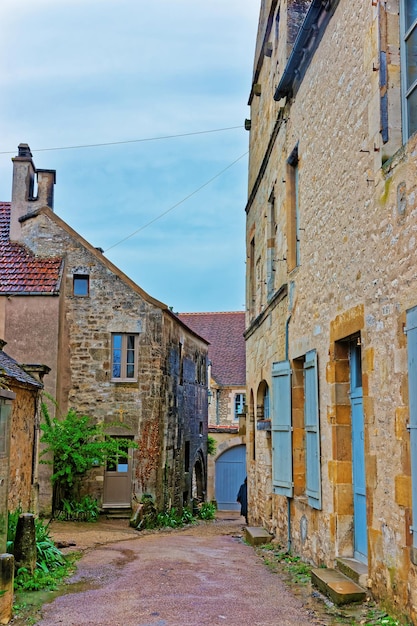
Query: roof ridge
(211, 313)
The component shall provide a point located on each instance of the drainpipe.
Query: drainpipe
(287, 325)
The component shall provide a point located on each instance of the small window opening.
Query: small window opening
(81, 285)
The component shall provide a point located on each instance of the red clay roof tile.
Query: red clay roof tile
(226, 351)
(20, 270)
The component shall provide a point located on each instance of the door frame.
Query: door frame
(360, 527)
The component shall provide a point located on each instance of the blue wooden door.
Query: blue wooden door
(230, 474)
(358, 456)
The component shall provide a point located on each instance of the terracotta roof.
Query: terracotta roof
(223, 428)
(226, 351)
(10, 368)
(20, 270)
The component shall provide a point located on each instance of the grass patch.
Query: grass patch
(278, 559)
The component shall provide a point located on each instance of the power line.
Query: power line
(178, 203)
(118, 143)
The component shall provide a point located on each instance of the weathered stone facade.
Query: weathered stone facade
(162, 406)
(331, 223)
(227, 401)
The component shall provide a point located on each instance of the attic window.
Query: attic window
(81, 285)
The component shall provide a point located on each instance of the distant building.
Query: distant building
(332, 287)
(227, 401)
(115, 353)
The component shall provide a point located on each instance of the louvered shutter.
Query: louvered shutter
(281, 429)
(312, 430)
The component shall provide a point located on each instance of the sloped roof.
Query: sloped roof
(10, 368)
(226, 351)
(20, 270)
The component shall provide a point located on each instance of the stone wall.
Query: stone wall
(165, 408)
(22, 490)
(355, 277)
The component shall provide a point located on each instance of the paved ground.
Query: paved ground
(201, 575)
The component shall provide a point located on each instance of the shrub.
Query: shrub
(207, 511)
(86, 510)
(211, 445)
(51, 565)
(75, 445)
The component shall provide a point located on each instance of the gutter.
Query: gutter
(309, 35)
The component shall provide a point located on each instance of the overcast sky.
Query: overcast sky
(77, 72)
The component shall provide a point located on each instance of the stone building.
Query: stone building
(227, 401)
(331, 335)
(114, 352)
(20, 391)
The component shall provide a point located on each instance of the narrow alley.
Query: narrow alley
(201, 575)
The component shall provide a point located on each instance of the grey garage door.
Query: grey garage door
(230, 474)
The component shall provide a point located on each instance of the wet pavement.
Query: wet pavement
(199, 575)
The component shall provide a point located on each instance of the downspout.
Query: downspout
(287, 325)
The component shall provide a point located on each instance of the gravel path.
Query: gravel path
(202, 575)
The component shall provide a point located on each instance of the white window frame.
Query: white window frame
(125, 374)
(239, 405)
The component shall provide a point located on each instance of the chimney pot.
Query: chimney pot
(24, 150)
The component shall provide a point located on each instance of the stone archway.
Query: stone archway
(199, 480)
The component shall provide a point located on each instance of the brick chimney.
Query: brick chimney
(24, 201)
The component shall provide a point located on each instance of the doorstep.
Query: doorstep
(337, 586)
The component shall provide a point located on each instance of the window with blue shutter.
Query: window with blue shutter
(412, 394)
(312, 430)
(281, 429)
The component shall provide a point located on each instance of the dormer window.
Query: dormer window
(81, 285)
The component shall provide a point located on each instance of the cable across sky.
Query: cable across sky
(178, 203)
(118, 143)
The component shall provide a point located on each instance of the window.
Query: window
(409, 66)
(81, 284)
(266, 403)
(240, 400)
(124, 357)
(412, 426)
(270, 250)
(120, 460)
(252, 286)
(293, 211)
(5, 410)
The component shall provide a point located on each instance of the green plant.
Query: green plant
(174, 518)
(207, 511)
(276, 558)
(51, 565)
(211, 445)
(378, 617)
(74, 444)
(86, 510)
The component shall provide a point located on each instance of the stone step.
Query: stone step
(256, 536)
(354, 569)
(116, 512)
(337, 586)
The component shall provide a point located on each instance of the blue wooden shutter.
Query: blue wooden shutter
(281, 429)
(312, 430)
(412, 394)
